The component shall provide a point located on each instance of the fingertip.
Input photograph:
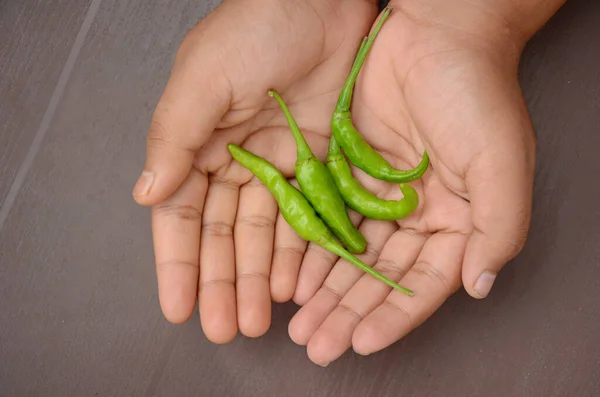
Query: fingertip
(254, 308)
(217, 313)
(483, 260)
(302, 294)
(483, 284)
(222, 336)
(143, 185)
(256, 332)
(161, 177)
(318, 349)
(282, 288)
(177, 296)
(257, 326)
(366, 338)
(254, 316)
(177, 318)
(297, 330)
(178, 308)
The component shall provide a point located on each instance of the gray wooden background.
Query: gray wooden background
(79, 314)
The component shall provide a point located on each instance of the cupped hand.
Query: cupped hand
(448, 85)
(213, 225)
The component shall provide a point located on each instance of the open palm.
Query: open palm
(213, 226)
(427, 86)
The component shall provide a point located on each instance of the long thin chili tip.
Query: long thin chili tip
(303, 150)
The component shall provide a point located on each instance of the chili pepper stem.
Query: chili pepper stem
(303, 149)
(345, 98)
(361, 48)
(341, 252)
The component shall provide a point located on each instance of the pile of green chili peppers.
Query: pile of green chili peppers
(317, 211)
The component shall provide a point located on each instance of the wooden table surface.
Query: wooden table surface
(79, 313)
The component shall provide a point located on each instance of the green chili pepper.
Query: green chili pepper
(318, 187)
(362, 200)
(356, 148)
(299, 213)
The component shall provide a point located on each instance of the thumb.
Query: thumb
(500, 186)
(195, 99)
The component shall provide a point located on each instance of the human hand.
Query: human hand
(441, 78)
(213, 226)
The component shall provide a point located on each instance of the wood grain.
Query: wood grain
(79, 314)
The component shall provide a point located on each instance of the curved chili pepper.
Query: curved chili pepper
(362, 200)
(318, 187)
(298, 212)
(356, 148)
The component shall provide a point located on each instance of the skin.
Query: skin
(218, 237)
(298, 211)
(319, 188)
(447, 71)
(357, 149)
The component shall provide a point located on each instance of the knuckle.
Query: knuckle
(370, 253)
(217, 229)
(510, 242)
(428, 270)
(165, 266)
(350, 311)
(389, 267)
(223, 182)
(293, 250)
(256, 221)
(185, 212)
(320, 252)
(189, 42)
(513, 244)
(516, 241)
(416, 233)
(217, 281)
(403, 312)
(158, 135)
(252, 276)
(328, 288)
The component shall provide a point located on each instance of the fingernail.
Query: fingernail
(484, 283)
(324, 365)
(143, 185)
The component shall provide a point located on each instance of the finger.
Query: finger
(176, 233)
(315, 267)
(433, 278)
(253, 234)
(500, 186)
(216, 297)
(339, 281)
(334, 336)
(195, 99)
(287, 255)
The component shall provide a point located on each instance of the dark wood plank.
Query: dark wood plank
(36, 37)
(78, 304)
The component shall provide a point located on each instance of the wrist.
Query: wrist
(502, 22)
(524, 17)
